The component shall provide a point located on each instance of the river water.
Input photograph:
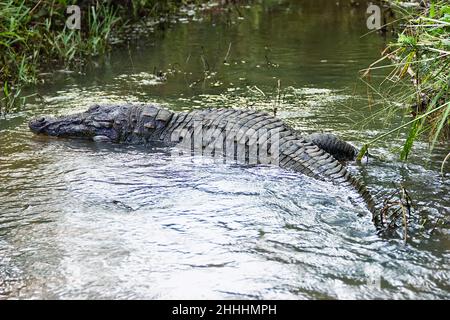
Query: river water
(86, 220)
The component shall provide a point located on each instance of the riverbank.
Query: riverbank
(420, 55)
(36, 34)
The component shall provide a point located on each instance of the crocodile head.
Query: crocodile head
(95, 123)
(114, 123)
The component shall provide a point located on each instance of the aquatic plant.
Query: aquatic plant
(420, 53)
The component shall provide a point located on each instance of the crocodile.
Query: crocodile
(246, 136)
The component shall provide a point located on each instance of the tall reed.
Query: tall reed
(420, 54)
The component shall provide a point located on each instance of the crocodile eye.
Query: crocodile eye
(41, 119)
(94, 108)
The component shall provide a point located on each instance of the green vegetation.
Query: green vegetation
(420, 54)
(34, 33)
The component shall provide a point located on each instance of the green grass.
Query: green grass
(420, 55)
(33, 34)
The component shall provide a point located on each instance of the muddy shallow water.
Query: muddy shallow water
(87, 220)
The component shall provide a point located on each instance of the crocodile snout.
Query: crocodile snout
(38, 124)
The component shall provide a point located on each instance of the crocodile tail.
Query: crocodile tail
(369, 200)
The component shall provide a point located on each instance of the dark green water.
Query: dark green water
(85, 220)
